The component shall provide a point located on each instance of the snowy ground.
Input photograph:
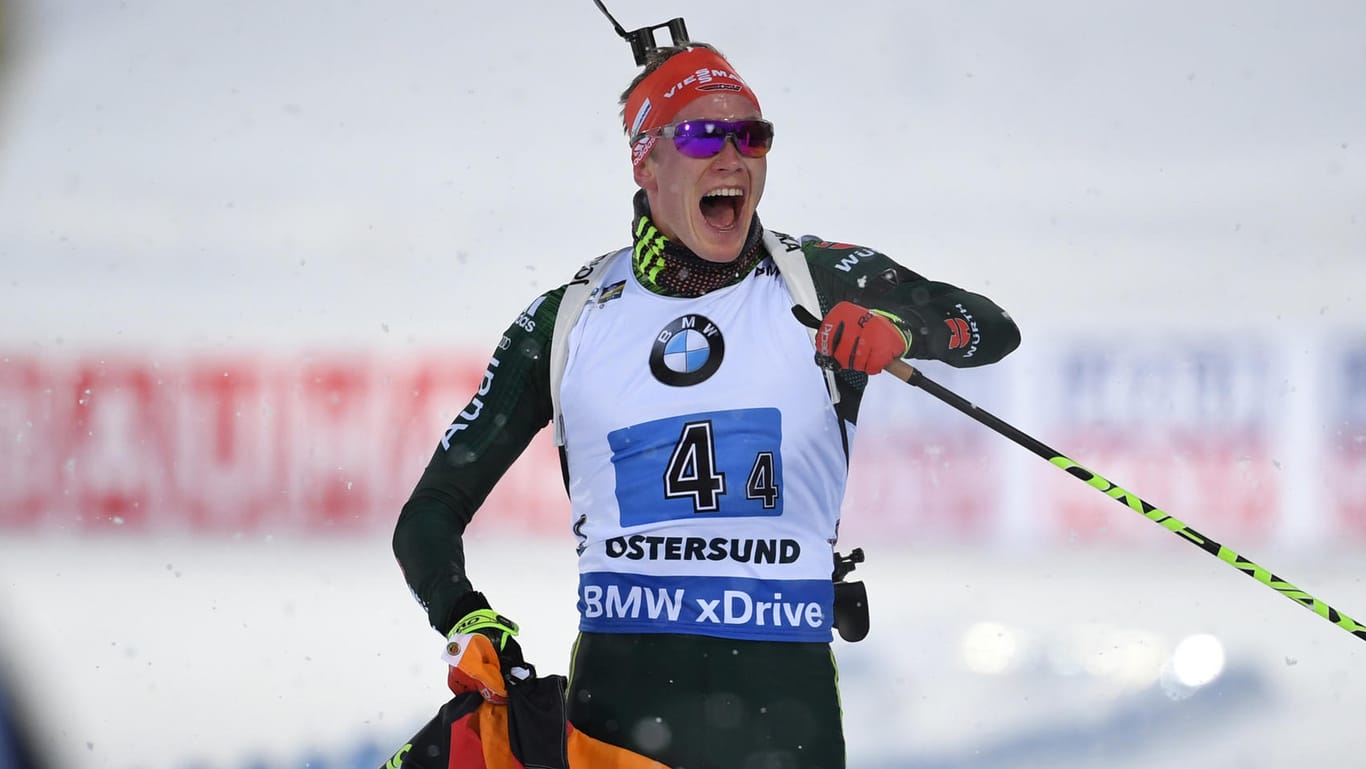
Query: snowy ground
(175, 654)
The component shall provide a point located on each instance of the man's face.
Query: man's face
(695, 200)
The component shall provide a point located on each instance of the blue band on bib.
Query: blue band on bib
(724, 607)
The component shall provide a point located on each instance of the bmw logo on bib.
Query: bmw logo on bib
(687, 351)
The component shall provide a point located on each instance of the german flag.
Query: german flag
(498, 721)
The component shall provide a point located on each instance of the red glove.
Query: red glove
(858, 338)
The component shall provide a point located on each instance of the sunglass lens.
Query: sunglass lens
(705, 138)
(698, 143)
(753, 138)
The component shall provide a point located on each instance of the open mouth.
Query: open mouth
(721, 207)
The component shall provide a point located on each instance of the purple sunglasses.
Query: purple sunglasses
(706, 138)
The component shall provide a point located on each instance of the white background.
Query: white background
(344, 172)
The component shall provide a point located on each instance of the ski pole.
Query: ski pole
(907, 373)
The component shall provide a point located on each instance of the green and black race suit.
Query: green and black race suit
(513, 402)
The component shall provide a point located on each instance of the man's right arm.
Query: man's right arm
(511, 405)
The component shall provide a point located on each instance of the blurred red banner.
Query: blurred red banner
(258, 445)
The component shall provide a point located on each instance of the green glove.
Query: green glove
(476, 617)
(498, 628)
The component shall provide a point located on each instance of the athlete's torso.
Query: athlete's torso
(705, 461)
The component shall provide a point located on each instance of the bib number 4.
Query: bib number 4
(720, 463)
(693, 473)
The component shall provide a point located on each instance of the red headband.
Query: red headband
(682, 79)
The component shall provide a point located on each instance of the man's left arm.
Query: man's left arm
(950, 324)
(941, 321)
